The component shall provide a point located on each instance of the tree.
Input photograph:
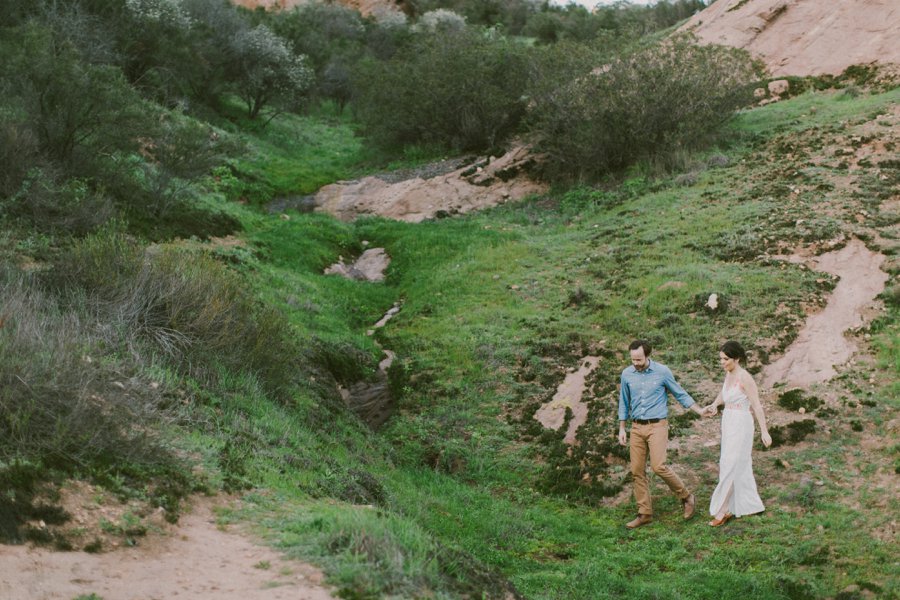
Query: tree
(68, 104)
(156, 41)
(266, 71)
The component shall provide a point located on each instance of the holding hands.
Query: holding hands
(709, 410)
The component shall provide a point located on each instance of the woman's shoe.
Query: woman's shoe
(719, 521)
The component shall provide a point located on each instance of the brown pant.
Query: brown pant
(652, 438)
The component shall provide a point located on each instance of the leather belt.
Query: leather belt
(646, 421)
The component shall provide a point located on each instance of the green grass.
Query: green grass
(294, 155)
(461, 494)
(495, 307)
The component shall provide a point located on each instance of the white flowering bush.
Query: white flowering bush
(267, 69)
(169, 13)
(386, 17)
(440, 20)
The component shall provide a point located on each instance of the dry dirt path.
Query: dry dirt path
(197, 560)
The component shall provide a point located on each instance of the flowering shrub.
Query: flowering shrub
(169, 13)
(268, 70)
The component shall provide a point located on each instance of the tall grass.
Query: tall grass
(62, 402)
(179, 304)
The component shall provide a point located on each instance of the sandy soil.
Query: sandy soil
(195, 560)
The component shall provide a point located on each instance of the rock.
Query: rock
(760, 93)
(713, 301)
(801, 38)
(419, 198)
(370, 266)
(779, 87)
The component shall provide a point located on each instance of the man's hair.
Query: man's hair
(641, 344)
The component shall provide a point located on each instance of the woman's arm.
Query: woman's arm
(752, 392)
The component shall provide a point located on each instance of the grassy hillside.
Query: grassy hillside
(461, 493)
(462, 490)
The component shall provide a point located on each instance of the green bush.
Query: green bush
(72, 207)
(69, 105)
(645, 105)
(19, 152)
(462, 89)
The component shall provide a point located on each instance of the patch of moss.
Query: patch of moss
(791, 433)
(795, 399)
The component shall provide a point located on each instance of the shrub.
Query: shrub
(71, 207)
(19, 152)
(67, 104)
(461, 89)
(174, 153)
(59, 403)
(440, 21)
(183, 304)
(650, 103)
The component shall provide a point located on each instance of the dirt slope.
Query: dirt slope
(805, 37)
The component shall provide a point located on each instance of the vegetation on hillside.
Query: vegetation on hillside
(162, 334)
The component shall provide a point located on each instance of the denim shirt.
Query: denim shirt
(643, 393)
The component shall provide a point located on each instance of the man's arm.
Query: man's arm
(624, 408)
(678, 392)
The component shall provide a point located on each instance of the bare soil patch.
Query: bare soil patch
(821, 344)
(193, 560)
(569, 396)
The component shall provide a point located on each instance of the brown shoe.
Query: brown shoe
(719, 521)
(640, 520)
(688, 504)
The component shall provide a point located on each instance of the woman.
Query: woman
(736, 493)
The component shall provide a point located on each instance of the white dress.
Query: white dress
(735, 462)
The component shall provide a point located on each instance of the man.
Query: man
(643, 399)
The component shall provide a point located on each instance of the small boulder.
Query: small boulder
(779, 87)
